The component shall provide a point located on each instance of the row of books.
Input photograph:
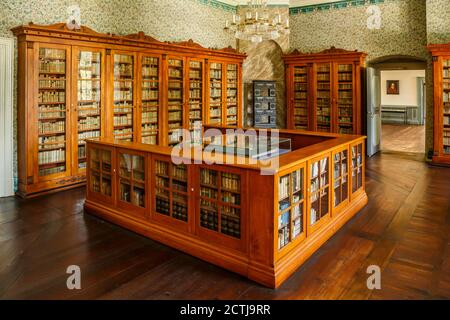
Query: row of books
(147, 128)
(123, 120)
(123, 58)
(231, 181)
(345, 94)
(123, 95)
(90, 75)
(323, 95)
(46, 53)
(345, 68)
(323, 86)
(230, 226)
(54, 66)
(88, 94)
(51, 127)
(52, 96)
(123, 71)
(149, 116)
(301, 86)
(195, 74)
(302, 78)
(174, 94)
(48, 112)
(284, 229)
(52, 141)
(45, 157)
(149, 139)
(323, 77)
(215, 74)
(446, 120)
(92, 123)
(345, 86)
(149, 71)
(150, 94)
(88, 135)
(175, 73)
(446, 138)
(120, 85)
(345, 77)
(52, 83)
(175, 116)
(175, 63)
(322, 165)
(195, 93)
(300, 112)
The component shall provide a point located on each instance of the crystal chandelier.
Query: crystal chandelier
(257, 25)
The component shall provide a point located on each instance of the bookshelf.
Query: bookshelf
(319, 199)
(75, 85)
(171, 190)
(324, 90)
(196, 97)
(232, 95)
(175, 99)
(301, 98)
(340, 178)
(261, 226)
(357, 152)
(215, 93)
(323, 98)
(123, 96)
(52, 111)
(150, 99)
(89, 97)
(291, 208)
(345, 120)
(132, 182)
(441, 103)
(101, 179)
(220, 202)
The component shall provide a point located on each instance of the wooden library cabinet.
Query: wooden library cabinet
(441, 98)
(260, 222)
(75, 85)
(324, 91)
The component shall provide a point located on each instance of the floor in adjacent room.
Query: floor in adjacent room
(403, 138)
(405, 229)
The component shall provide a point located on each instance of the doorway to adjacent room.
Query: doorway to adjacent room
(396, 111)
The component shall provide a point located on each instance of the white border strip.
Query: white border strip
(6, 116)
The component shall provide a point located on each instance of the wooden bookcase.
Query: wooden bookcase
(324, 91)
(79, 84)
(260, 225)
(441, 94)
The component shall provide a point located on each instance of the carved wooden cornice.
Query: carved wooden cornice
(140, 39)
(333, 51)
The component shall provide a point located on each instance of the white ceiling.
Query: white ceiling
(292, 3)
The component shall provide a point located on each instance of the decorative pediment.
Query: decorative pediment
(229, 49)
(63, 27)
(141, 36)
(334, 50)
(190, 43)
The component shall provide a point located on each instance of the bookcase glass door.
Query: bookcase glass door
(446, 106)
(345, 98)
(320, 185)
(175, 96)
(89, 95)
(323, 100)
(340, 177)
(195, 97)
(215, 93)
(232, 95)
(171, 190)
(301, 98)
(150, 104)
(220, 202)
(132, 180)
(52, 111)
(291, 206)
(357, 167)
(101, 172)
(123, 96)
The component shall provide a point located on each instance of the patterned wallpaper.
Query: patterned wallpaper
(165, 20)
(438, 21)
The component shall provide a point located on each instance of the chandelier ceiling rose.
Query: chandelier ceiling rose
(257, 24)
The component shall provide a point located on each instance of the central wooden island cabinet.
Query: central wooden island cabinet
(262, 226)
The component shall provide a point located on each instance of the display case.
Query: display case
(324, 90)
(101, 182)
(79, 84)
(264, 104)
(254, 218)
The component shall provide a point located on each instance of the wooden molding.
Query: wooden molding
(140, 39)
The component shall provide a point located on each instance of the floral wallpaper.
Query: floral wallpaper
(438, 21)
(165, 20)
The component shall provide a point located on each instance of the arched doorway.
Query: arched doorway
(396, 104)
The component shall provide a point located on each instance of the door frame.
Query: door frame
(6, 116)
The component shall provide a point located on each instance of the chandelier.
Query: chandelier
(256, 24)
